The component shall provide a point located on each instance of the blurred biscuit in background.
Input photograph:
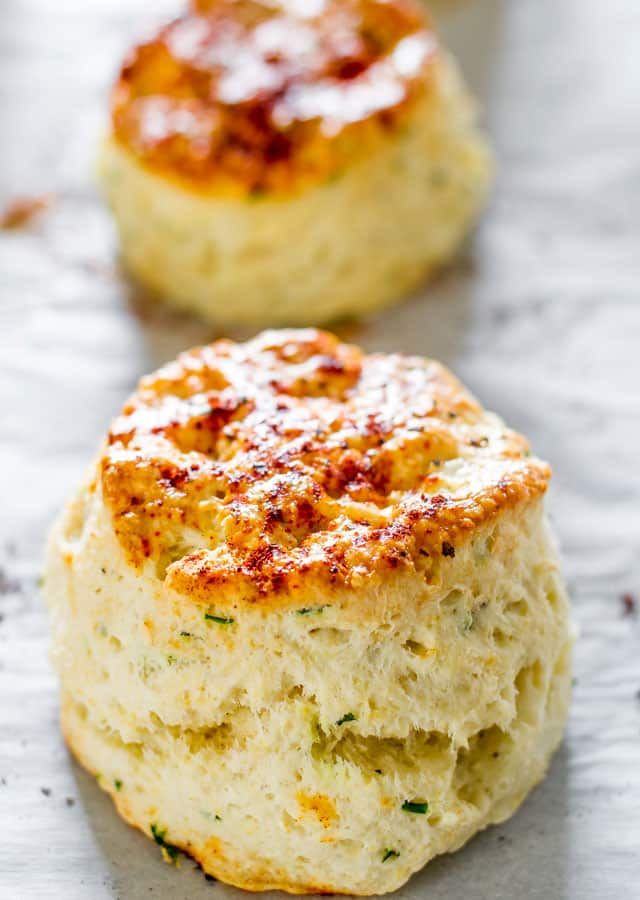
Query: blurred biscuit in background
(291, 163)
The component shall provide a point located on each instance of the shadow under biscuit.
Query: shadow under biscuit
(135, 867)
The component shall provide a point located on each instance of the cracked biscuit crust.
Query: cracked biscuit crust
(250, 471)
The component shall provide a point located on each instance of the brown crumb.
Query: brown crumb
(629, 603)
(21, 210)
(69, 801)
(46, 791)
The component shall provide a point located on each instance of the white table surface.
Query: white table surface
(541, 317)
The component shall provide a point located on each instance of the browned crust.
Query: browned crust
(251, 96)
(299, 461)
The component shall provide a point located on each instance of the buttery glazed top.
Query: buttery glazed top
(247, 471)
(267, 96)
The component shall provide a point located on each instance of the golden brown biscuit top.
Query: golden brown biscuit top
(247, 471)
(266, 96)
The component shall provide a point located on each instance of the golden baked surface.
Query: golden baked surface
(271, 95)
(246, 469)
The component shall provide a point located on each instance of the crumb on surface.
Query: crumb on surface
(20, 211)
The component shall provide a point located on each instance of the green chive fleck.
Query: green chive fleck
(220, 620)
(171, 659)
(117, 784)
(348, 717)
(311, 610)
(390, 854)
(169, 851)
(415, 806)
(186, 634)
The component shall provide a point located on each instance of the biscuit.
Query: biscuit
(307, 614)
(268, 165)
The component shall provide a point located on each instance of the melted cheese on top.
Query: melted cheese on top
(248, 470)
(271, 95)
